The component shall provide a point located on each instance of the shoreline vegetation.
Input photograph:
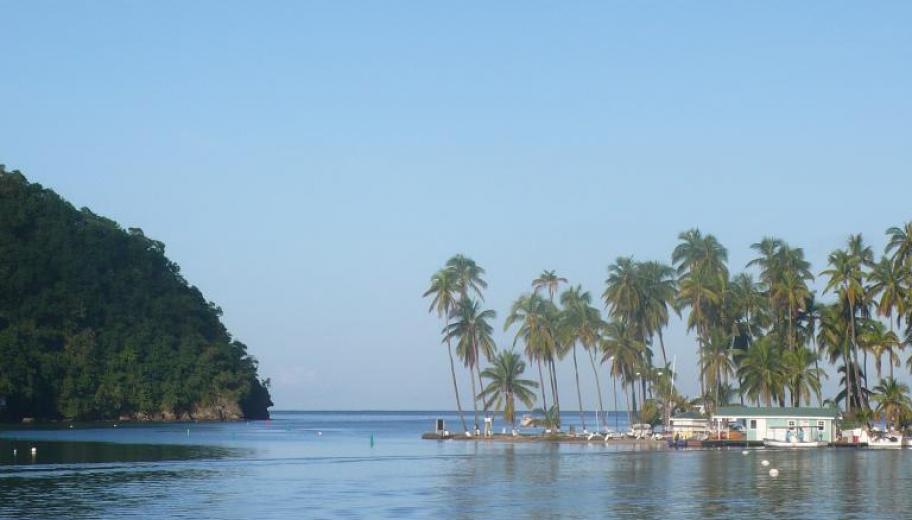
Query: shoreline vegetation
(760, 336)
(97, 324)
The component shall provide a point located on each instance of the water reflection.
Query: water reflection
(284, 469)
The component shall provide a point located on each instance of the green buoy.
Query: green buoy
(372, 440)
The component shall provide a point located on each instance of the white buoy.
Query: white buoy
(34, 450)
(765, 462)
(744, 452)
(774, 472)
(319, 433)
(14, 452)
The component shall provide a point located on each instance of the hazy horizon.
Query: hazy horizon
(310, 166)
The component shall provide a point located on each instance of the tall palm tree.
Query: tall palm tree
(627, 298)
(701, 263)
(469, 279)
(845, 278)
(790, 292)
(892, 399)
(622, 294)
(876, 339)
(697, 252)
(802, 375)
(623, 349)
(890, 282)
(748, 306)
(505, 385)
(659, 292)
(536, 330)
(762, 372)
(549, 281)
(900, 244)
(699, 292)
(581, 324)
(717, 362)
(443, 289)
(468, 276)
(473, 334)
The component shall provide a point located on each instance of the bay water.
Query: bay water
(375, 465)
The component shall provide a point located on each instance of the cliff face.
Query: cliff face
(97, 323)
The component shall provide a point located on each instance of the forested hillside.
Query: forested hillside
(97, 323)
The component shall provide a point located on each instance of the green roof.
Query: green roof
(775, 411)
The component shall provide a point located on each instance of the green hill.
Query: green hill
(97, 323)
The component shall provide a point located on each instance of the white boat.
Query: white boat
(886, 442)
(777, 443)
(640, 431)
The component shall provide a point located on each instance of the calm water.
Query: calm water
(285, 469)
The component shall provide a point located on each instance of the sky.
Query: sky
(309, 165)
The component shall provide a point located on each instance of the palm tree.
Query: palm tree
(658, 294)
(717, 362)
(701, 294)
(790, 292)
(581, 323)
(702, 276)
(900, 244)
(622, 293)
(696, 252)
(876, 339)
(468, 276)
(802, 375)
(845, 277)
(469, 279)
(623, 350)
(443, 289)
(473, 334)
(861, 394)
(549, 281)
(761, 371)
(748, 306)
(626, 299)
(533, 314)
(890, 281)
(892, 399)
(506, 385)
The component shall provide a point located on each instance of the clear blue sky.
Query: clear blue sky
(310, 164)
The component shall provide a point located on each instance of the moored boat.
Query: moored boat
(894, 441)
(777, 443)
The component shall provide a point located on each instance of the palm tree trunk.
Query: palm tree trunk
(598, 387)
(854, 349)
(636, 415)
(627, 403)
(484, 402)
(555, 396)
(541, 381)
(700, 358)
(858, 387)
(791, 331)
(474, 399)
(579, 395)
(616, 411)
(662, 344)
(455, 387)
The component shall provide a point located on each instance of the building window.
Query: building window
(753, 424)
(791, 424)
(820, 425)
